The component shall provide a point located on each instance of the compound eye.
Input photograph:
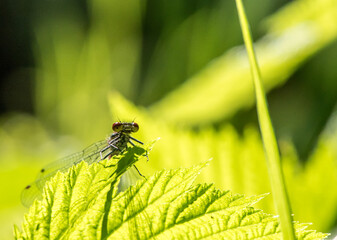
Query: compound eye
(117, 127)
(135, 127)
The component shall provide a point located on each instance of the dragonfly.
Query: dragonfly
(115, 144)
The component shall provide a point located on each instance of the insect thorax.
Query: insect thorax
(121, 142)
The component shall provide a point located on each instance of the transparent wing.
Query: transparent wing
(130, 177)
(90, 155)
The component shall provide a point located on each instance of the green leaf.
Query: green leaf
(231, 151)
(76, 199)
(224, 86)
(166, 206)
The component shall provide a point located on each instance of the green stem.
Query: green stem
(276, 177)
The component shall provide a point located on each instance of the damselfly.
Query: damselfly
(115, 144)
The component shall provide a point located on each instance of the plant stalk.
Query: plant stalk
(276, 177)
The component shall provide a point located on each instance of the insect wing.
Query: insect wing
(129, 178)
(90, 155)
(29, 194)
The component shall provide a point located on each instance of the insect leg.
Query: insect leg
(136, 140)
(107, 155)
(139, 172)
(107, 147)
(132, 143)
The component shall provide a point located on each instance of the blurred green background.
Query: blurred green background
(71, 68)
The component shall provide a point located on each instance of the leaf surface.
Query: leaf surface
(78, 204)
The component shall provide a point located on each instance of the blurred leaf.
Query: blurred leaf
(77, 67)
(313, 185)
(25, 145)
(194, 36)
(224, 86)
(230, 152)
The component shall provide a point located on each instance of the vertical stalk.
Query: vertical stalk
(276, 177)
